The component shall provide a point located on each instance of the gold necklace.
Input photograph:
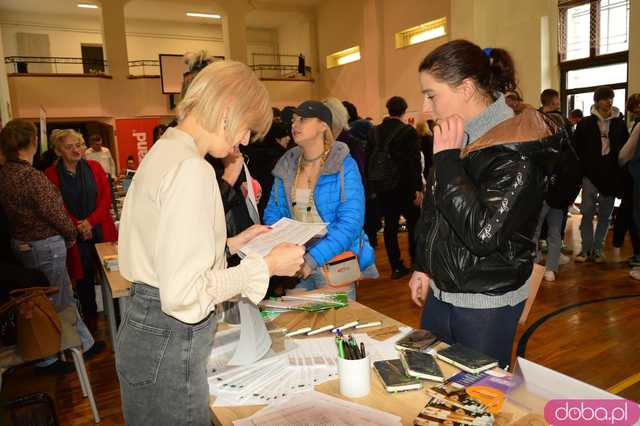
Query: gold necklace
(310, 183)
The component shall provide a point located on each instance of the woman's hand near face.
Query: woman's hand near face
(448, 134)
(233, 164)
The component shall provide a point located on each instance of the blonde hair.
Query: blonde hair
(339, 115)
(59, 135)
(229, 92)
(422, 129)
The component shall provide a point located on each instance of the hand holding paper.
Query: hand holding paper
(285, 259)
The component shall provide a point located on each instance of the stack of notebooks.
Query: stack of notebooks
(449, 402)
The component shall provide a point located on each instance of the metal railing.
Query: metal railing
(268, 65)
(55, 65)
(144, 68)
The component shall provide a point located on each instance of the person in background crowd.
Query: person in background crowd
(173, 249)
(87, 197)
(394, 179)
(629, 158)
(131, 164)
(426, 148)
(598, 139)
(340, 128)
(514, 101)
(352, 110)
(564, 186)
(550, 101)
(276, 114)
(575, 116)
(318, 181)
(158, 131)
(101, 155)
(474, 241)
(39, 226)
(262, 157)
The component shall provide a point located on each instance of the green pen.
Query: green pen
(340, 348)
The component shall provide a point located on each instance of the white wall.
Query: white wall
(294, 38)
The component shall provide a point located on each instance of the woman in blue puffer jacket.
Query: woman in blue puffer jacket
(318, 181)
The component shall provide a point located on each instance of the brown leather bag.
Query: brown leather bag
(37, 322)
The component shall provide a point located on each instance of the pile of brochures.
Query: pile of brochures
(302, 365)
(316, 302)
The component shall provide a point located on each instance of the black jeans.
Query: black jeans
(624, 222)
(490, 331)
(392, 205)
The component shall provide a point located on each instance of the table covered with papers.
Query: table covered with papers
(274, 376)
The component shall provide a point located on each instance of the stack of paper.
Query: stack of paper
(315, 408)
(111, 262)
(283, 231)
(278, 376)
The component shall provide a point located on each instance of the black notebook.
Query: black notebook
(424, 366)
(467, 359)
(416, 340)
(394, 379)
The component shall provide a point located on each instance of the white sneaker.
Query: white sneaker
(563, 259)
(635, 273)
(549, 276)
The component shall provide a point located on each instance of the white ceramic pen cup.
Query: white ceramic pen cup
(355, 377)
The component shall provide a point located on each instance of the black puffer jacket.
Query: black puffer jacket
(482, 206)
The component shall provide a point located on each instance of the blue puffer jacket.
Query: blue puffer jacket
(339, 198)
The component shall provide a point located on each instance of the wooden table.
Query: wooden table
(113, 286)
(406, 405)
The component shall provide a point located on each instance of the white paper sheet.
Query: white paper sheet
(283, 231)
(255, 341)
(315, 408)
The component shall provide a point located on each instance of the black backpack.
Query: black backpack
(382, 170)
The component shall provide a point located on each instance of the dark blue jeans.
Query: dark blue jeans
(490, 331)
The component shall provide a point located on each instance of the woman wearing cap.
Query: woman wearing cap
(318, 181)
(172, 247)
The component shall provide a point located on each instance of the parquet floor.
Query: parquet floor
(595, 342)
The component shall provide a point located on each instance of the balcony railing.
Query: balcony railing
(274, 66)
(266, 66)
(55, 65)
(144, 68)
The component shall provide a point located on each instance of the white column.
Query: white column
(114, 38)
(234, 29)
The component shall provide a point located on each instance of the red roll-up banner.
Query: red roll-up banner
(135, 137)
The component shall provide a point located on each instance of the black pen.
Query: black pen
(362, 352)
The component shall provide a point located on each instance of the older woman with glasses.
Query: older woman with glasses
(87, 197)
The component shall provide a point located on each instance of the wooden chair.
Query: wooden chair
(534, 284)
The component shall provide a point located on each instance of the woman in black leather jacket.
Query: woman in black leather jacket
(484, 195)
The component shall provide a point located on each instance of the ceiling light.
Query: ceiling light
(87, 6)
(203, 15)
